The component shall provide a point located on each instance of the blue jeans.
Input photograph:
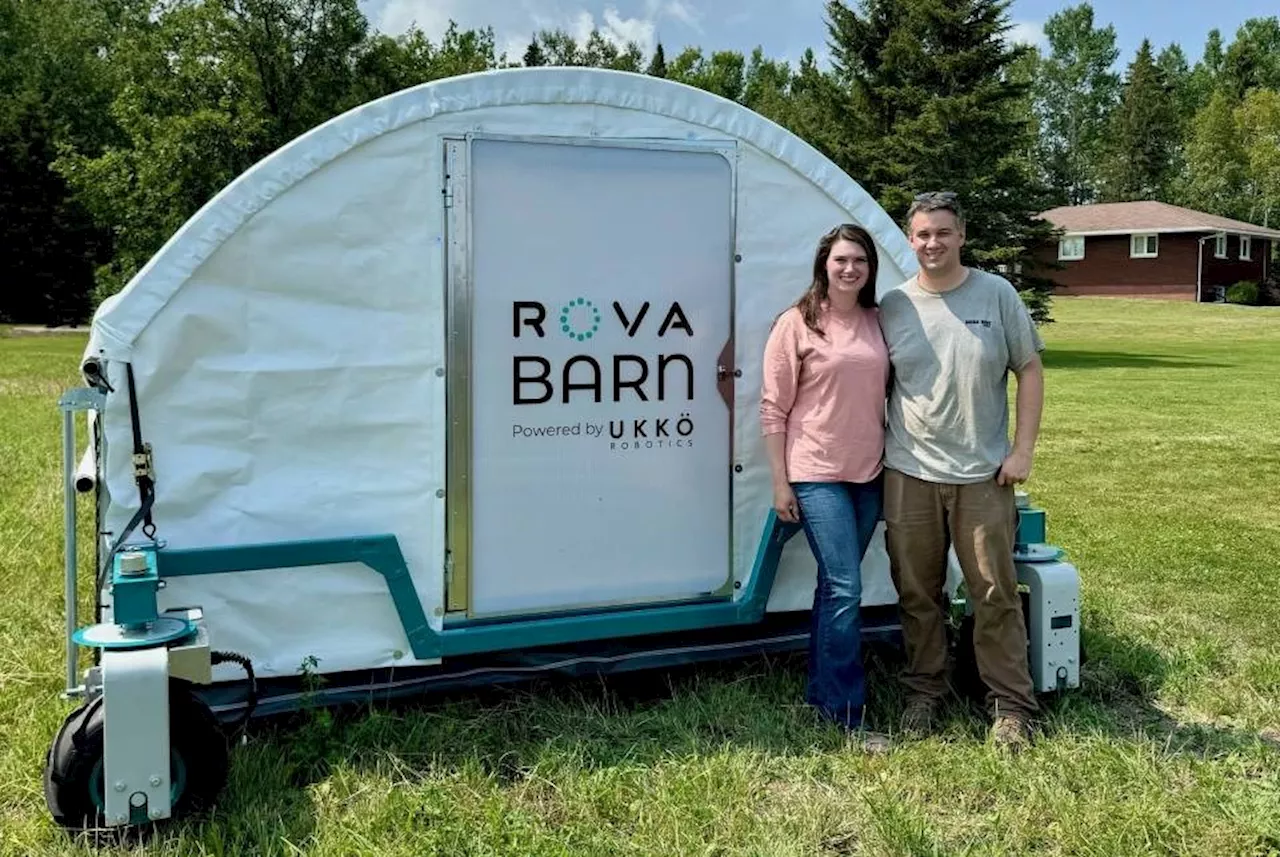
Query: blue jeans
(838, 519)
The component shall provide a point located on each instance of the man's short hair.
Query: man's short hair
(936, 200)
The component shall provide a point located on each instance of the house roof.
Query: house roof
(1121, 218)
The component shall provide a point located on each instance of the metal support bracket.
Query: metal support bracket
(136, 780)
(72, 401)
(82, 399)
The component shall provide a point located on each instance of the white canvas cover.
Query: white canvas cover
(288, 344)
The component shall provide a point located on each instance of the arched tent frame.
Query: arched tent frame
(123, 318)
(197, 326)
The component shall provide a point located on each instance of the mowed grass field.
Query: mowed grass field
(1159, 466)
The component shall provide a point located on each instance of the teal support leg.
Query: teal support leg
(380, 553)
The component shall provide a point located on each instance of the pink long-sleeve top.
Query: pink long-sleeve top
(827, 394)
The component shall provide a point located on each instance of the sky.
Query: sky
(784, 28)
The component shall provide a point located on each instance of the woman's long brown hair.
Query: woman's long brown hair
(810, 303)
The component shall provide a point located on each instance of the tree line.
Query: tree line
(120, 118)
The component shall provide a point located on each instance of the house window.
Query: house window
(1220, 248)
(1246, 248)
(1071, 248)
(1144, 245)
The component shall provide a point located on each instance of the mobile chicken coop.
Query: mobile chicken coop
(456, 387)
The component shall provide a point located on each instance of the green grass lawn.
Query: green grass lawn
(1159, 465)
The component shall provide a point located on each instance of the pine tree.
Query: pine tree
(1207, 73)
(1172, 63)
(1143, 136)
(657, 65)
(533, 55)
(932, 102)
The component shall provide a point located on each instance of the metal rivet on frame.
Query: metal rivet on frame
(439, 492)
(440, 372)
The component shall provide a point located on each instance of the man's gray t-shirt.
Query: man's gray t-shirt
(948, 409)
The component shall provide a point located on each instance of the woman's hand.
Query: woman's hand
(784, 503)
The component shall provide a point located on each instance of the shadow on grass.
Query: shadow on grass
(511, 733)
(1055, 358)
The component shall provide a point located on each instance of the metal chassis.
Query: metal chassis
(134, 682)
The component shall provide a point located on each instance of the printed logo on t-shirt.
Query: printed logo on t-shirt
(981, 321)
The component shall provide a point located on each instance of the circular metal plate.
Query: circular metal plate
(111, 636)
(1037, 553)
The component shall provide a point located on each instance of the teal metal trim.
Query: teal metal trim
(380, 553)
(1031, 527)
(133, 596)
(109, 635)
(1030, 541)
(1038, 553)
(635, 622)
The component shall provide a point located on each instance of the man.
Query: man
(954, 333)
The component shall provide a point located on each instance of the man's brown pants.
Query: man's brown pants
(981, 521)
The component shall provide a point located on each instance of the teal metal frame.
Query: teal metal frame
(136, 622)
(382, 554)
(133, 596)
(1031, 527)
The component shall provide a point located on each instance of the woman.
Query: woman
(826, 369)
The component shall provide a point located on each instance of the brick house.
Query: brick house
(1153, 249)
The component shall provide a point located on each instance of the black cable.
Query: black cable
(145, 487)
(251, 703)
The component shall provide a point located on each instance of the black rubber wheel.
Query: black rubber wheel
(73, 784)
(966, 679)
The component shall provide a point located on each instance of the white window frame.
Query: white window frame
(1220, 246)
(1246, 248)
(1147, 238)
(1072, 241)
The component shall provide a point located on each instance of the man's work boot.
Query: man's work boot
(1011, 732)
(917, 717)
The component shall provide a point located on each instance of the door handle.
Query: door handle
(722, 372)
(725, 373)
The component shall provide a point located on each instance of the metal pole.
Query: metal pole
(1200, 268)
(69, 540)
